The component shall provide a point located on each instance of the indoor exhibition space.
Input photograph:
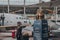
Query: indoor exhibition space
(29, 19)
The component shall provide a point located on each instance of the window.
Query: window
(16, 17)
(25, 21)
(19, 17)
(58, 21)
(53, 20)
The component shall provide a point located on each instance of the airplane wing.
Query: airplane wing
(7, 26)
(10, 26)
